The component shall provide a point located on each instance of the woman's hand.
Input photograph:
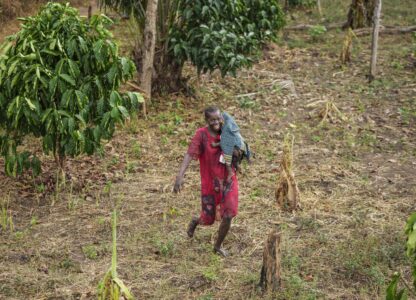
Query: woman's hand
(179, 179)
(178, 184)
(229, 178)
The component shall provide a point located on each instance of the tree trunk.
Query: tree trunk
(89, 11)
(148, 51)
(360, 14)
(286, 6)
(374, 44)
(270, 271)
(318, 4)
(169, 76)
(60, 158)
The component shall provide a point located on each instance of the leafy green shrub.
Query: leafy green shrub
(392, 293)
(301, 3)
(216, 34)
(410, 231)
(317, 32)
(59, 77)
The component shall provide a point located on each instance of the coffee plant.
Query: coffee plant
(223, 34)
(211, 34)
(59, 81)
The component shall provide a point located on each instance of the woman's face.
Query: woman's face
(214, 121)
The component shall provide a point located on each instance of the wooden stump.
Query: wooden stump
(270, 271)
(287, 192)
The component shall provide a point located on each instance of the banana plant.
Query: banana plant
(59, 81)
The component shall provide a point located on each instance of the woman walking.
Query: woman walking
(215, 189)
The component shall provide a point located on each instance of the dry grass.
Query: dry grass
(355, 176)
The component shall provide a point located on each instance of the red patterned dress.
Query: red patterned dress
(213, 174)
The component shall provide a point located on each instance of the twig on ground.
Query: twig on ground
(247, 95)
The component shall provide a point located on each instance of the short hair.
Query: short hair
(210, 110)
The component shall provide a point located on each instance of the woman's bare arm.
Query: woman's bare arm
(179, 178)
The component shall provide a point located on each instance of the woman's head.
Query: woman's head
(213, 118)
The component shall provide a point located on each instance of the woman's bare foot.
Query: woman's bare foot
(192, 226)
(221, 252)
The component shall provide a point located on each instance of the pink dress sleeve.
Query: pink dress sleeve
(195, 147)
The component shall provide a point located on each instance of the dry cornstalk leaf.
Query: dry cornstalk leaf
(347, 46)
(331, 113)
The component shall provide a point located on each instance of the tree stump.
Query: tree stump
(287, 191)
(270, 271)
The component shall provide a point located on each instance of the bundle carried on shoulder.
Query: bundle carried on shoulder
(234, 147)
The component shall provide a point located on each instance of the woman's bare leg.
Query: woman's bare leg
(222, 233)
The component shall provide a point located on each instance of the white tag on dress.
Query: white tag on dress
(222, 160)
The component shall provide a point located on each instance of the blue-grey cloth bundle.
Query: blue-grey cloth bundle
(231, 139)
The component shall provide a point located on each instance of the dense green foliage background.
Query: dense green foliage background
(223, 34)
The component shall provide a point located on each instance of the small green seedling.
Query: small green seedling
(111, 287)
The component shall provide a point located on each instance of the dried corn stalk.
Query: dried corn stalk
(331, 113)
(347, 46)
(287, 192)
